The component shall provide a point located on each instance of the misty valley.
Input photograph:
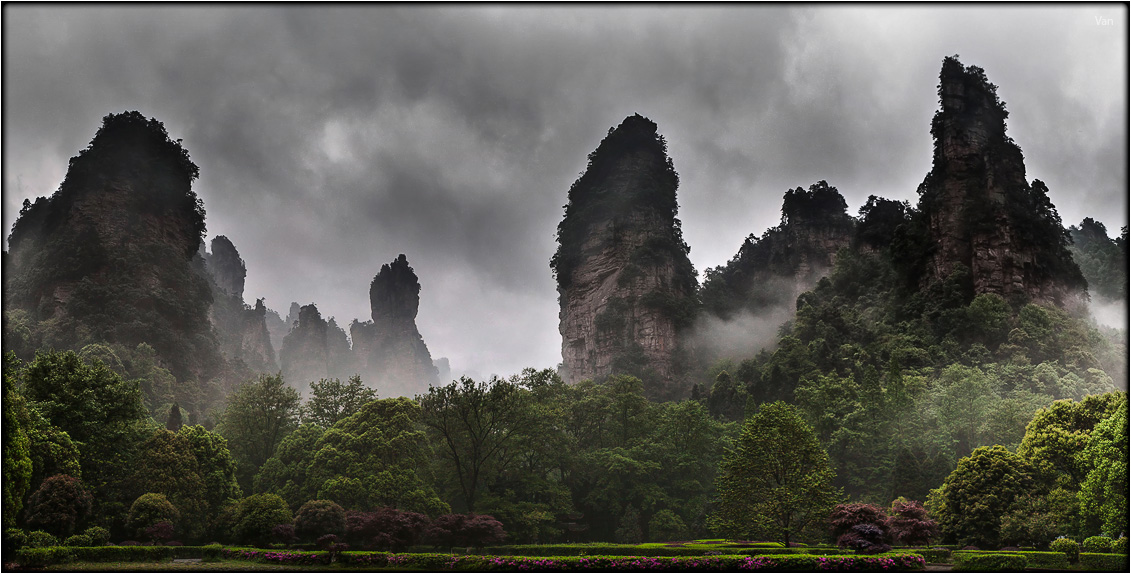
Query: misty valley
(874, 388)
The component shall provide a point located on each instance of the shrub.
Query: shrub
(78, 540)
(1096, 544)
(318, 517)
(1119, 546)
(14, 539)
(908, 523)
(327, 540)
(1069, 547)
(845, 516)
(40, 539)
(1103, 562)
(159, 532)
(149, 509)
(386, 528)
(99, 536)
(58, 504)
(284, 534)
(864, 538)
(971, 562)
(476, 530)
(257, 516)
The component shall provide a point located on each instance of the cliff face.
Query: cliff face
(625, 284)
(389, 350)
(981, 213)
(314, 349)
(109, 256)
(771, 271)
(240, 329)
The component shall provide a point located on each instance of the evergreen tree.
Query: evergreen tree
(174, 423)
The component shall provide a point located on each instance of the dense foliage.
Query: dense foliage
(1102, 260)
(777, 481)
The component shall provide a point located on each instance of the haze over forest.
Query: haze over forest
(330, 140)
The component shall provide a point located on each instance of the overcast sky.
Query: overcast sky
(331, 139)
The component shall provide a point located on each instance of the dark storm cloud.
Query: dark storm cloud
(331, 139)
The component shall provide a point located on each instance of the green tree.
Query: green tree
(52, 451)
(972, 500)
(17, 445)
(1103, 494)
(88, 402)
(167, 465)
(776, 482)
(727, 399)
(149, 509)
(474, 422)
(1057, 434)
(374, 458)
(214, 463)
(173, 422)
(962, 399)
(58, 505)
(286, 472)
(257, 515)
(331, 400)
(258, 415)
(318, 517)
(101, 413)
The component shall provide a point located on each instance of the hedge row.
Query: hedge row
(989, 562)
(292, 557)
(1049, 560)
(649, 551)
(797, 562)
(41, 557)
(1104, 562)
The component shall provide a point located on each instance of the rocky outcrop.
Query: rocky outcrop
(625, 285)
(277, 328)
(771, 271)
(226, 266)
(982, 215)
(390, 353)
(240, 329)
(109, 257)
(314, 349)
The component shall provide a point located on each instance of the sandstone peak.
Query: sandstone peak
(626, 286)
(394, 293)
(983, 216)
(390, 350)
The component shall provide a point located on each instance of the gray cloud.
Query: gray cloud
(330, 139)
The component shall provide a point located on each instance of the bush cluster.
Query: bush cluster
(1097, 544)
(1068, 546)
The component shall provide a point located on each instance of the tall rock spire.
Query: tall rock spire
(981, 212)
(389, 350)
(626, 286)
